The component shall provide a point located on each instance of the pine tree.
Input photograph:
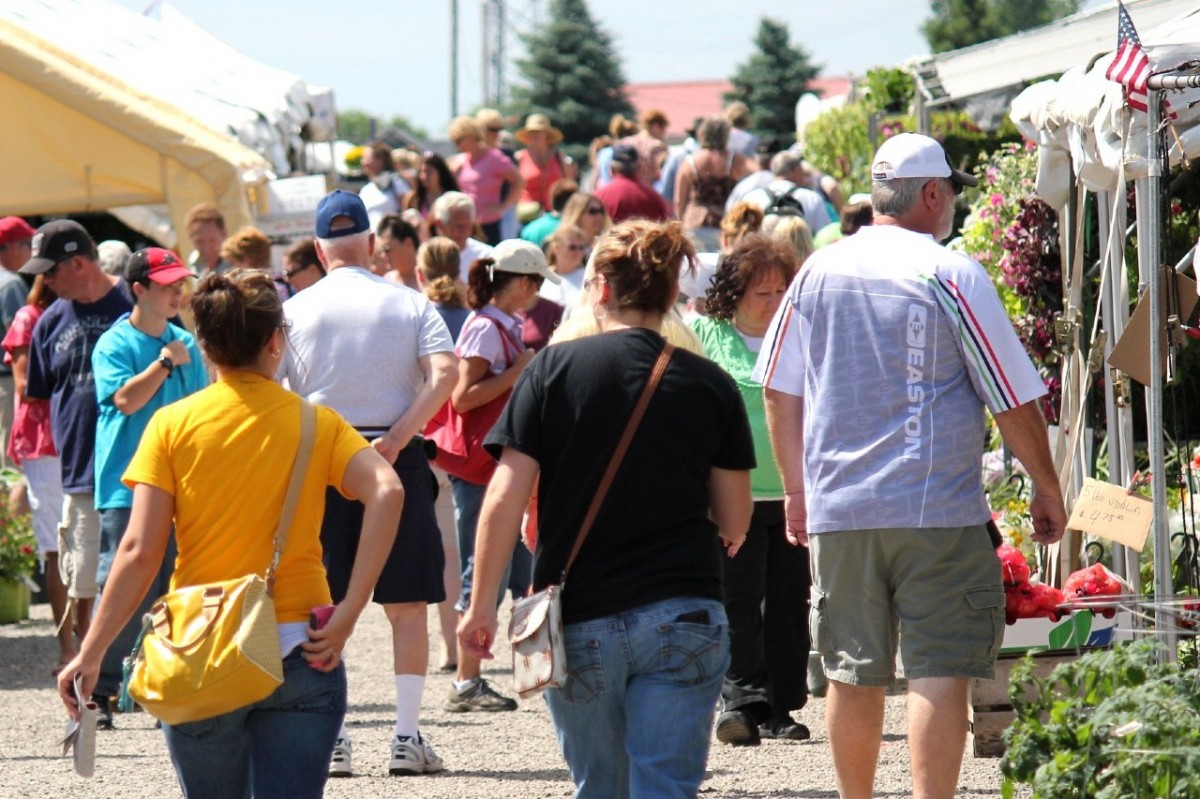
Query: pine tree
(572, 74)
(960, 23)
(772, 80)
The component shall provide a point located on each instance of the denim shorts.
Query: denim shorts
(277, 748)
(936, 590)
(634, 716)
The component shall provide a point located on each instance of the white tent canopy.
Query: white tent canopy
(77, 139)
(177, 62)
(987, 75)
(1082, 114)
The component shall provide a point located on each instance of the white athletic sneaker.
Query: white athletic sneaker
(340, 764)
(413, 756)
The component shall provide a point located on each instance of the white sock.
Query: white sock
(409, 688)
(342, 732)
(462, 685)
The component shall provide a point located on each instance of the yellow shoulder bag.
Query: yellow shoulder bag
(210, 649)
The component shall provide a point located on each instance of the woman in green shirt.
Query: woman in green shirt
(767, 584)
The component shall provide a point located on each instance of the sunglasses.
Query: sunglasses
(290, 273)
(52, 271)
(594, 211)
(574, 247)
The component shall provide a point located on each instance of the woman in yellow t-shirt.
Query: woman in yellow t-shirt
(216, 466)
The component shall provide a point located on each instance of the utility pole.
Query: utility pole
(494, 41)
(453, 58)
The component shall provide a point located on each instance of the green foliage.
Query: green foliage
(355, 125)
(889, 89)
(1112, 724)
(772, 80)
(572, 74)
(1006, 177)
(839, 143)
(18, 548)
(960, 23)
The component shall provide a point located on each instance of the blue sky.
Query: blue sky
(393, 57)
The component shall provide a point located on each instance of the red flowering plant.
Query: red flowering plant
(18, 548)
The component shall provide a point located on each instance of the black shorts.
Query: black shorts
(413, 572)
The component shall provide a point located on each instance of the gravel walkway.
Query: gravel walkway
(487, 755)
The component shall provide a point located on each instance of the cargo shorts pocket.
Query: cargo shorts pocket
(818, 623)
(985, 609)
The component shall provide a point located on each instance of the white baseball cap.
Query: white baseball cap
(523, 258)
(911, 155)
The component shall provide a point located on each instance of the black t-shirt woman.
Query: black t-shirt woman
(646, 634)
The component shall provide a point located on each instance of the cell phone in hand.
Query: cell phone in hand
(319, 616)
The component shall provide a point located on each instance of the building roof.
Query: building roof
(683, 101)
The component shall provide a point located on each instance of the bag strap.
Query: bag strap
(308, 431)
(639, 410)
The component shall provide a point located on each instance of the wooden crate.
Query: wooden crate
(991, 710)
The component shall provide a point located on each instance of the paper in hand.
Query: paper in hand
(81, 735)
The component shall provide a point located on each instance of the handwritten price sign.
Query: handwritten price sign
(1111, 512)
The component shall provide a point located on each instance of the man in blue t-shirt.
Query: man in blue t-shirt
(60, 370)
(140, 364)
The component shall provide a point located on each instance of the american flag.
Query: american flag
(1130, 67)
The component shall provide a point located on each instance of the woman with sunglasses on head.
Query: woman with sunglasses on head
(491, 358)
(566, 250)
(246, 424)
(644, 630)
(586, 212)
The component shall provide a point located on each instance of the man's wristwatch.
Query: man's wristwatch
(167, 364)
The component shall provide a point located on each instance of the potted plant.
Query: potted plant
(18, 562)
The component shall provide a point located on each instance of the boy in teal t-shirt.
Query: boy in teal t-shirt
(140, 364)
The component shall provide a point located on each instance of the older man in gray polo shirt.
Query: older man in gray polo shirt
(379, 354)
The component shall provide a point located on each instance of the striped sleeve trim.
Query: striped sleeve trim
(995, 382)
(775, 351)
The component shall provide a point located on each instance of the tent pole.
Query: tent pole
(1151, 262)
(1118, 470)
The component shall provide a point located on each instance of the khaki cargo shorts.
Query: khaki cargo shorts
(934, 592)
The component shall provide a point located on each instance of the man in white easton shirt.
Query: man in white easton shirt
(380, 355)
(877, 369)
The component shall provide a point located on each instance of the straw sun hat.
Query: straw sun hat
(539, 122)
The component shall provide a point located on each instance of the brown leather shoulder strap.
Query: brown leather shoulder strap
(618, 455)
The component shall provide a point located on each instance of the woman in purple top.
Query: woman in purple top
(482, 172)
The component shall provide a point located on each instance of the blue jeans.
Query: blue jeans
(113, 522)
(278, 747)
(468, 501)
(636, 711)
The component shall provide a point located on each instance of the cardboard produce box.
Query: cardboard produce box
(1078, 630)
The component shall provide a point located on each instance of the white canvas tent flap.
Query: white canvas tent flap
(77, 139)
(996, 67)
(1083, 114)
(177, 62)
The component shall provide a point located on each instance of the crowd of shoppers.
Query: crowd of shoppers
(762, 504)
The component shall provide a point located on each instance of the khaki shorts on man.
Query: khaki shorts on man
(936, 592)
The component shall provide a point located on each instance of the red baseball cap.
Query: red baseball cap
(14, 228)
(155, 263)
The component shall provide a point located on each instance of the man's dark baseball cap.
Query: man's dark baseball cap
(54, 243)
(341, 203)
(624, 154)
(156, 264)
